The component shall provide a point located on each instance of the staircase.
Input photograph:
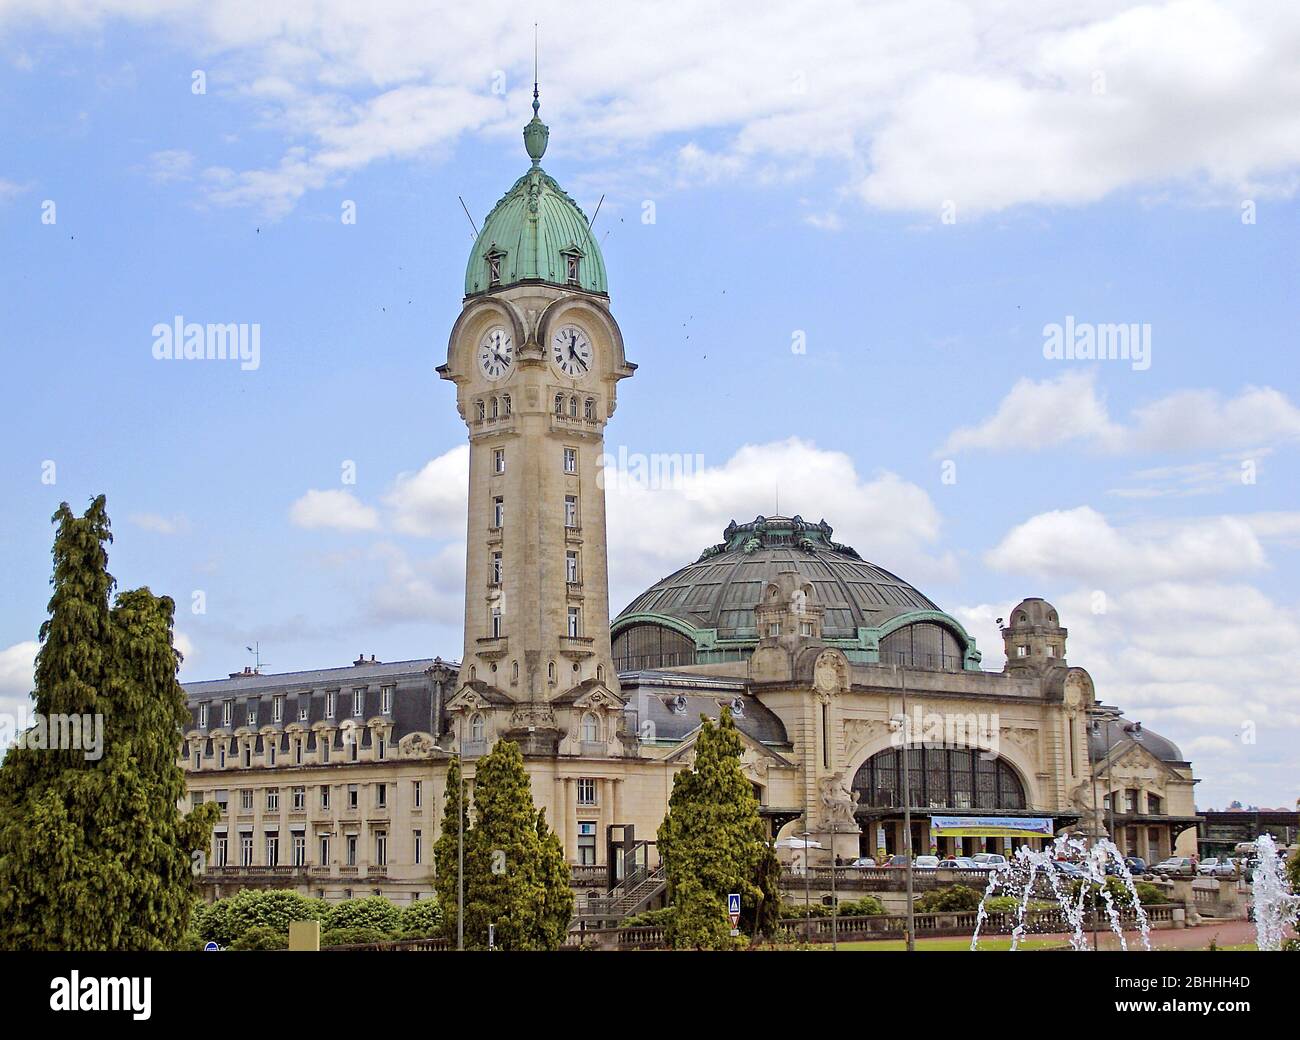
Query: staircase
(630, 896)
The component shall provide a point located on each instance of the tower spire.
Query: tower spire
(536, 133)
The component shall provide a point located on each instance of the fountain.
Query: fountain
(1033, 874)
(1275, 905)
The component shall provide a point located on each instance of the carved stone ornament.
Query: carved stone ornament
(838, 802)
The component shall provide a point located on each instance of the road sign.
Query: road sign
(733, 909)
(210, 947)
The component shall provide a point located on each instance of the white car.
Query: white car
(988, 860)
(927, 862)
(863, 861)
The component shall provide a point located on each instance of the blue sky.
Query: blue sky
(799, 172)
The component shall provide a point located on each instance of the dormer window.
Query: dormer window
(571, 268)
(494, 269)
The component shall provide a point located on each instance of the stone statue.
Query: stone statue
(839, 802)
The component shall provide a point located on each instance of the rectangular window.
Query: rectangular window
(352, 850)
(277, 708)
(203, 715)
(496, 569)
(806, 628)
(352, 796)
(246, 799)
(1022, 651)
(198, 759)
(324, 850)
(303, 708)
(324, 796)
(297, 752)
(575, 626)
(245, 850)
(498, 512)
(299, 798)
(248, 756)
(571, 567)
(587, 843)
(270, 750)
(273, 800)
(331, 702)
(221, 758)
(586, 790)
(381, 848)
(417, 794)
(227, 713)
(326, 740)
(570, 510)
(196, 798)
(354, 749)
(358, 703)
(300, 850)
(252, 713)
(222, 850)
(385, 700)
(570, 460)
(498, 460)
(381, 748)
(417, 847)
(774, 629)
(571, 269)
(496, 622)
(381, 796)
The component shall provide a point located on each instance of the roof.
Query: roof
(256, 682)
(672, 703)
(534, 229)
(720, 589)
(1126, 733)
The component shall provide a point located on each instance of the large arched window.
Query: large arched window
(941, 778)
(652, 646)
(476, 728)
(923, 644)
(590, 728)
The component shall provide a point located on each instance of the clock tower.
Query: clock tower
(536, 357)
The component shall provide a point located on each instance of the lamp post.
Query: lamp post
(835, 911)
(907, 816)
(460, 869)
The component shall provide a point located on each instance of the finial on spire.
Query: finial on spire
(536, 132)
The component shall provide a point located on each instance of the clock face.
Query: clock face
(571, 351)
(496, 354)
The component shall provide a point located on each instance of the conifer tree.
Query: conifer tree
(446, 852)
(527, 900)
(94, 853)
(712, 841)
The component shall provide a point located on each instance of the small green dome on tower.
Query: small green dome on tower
(536, 233)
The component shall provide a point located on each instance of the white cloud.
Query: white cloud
(337, 510)
(655, 530)
(1036, 415)
(431, 588)
(1082, 544)
(17, 668)
(989, 105)
(432, 502)
(170, 165)
(159, 524)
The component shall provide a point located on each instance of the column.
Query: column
(560, 823)
(570, 816)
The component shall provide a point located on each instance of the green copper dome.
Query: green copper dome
(536, 233)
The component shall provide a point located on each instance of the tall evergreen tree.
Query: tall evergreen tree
(515, 898)
(556, 910)
(446, 852)
(94, 853)
(712, 841)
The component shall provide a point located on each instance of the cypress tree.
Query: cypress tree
(446, 855)
(556, 909)
(521, 900)
(94, 853)
(712, 841)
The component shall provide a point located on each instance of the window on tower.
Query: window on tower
(570, 460)
(571, 567)
(505, 406)
(496, 622)
(571, 265)
(573, 407)
(575, 622)
(495, 578)
(498, 512)
(559, 404)
(498, 460)
(482, 410)
(589, 410)
(570, 510)
(494, 270)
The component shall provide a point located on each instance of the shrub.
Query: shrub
(650, 918)
(260, 937)
(800, 910)
(372, 912)
(867, 906)
(353, 936)
(949, 900)
(1011, 905)
(1149, 894)
(421, 919)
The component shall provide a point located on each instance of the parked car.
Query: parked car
(1136, 865)
(958, 863)
(896, 860)
(863, 861)
(1175, 866)
(1068, 869)
(1215, 867)
(988, 860)
(927, 862)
